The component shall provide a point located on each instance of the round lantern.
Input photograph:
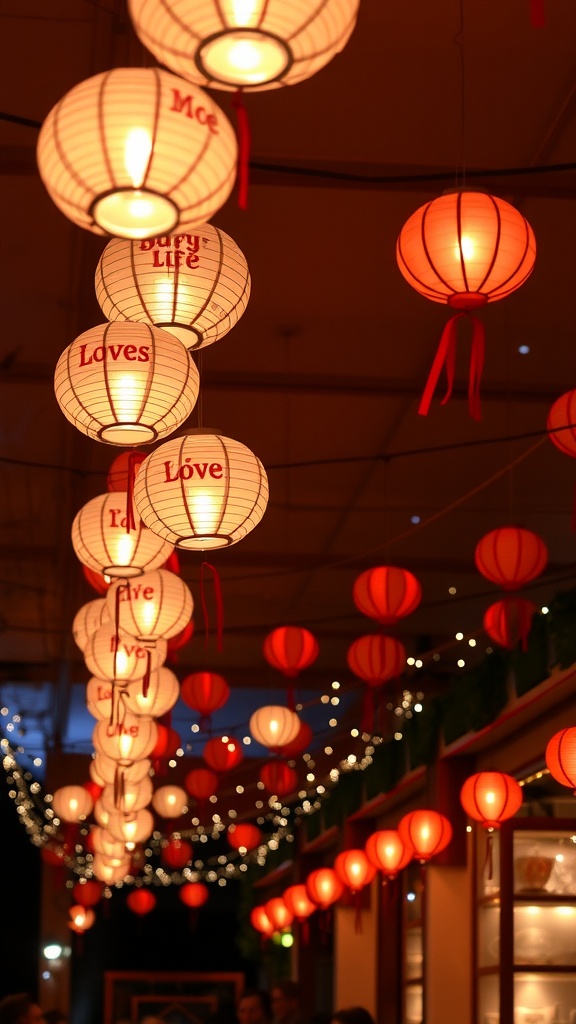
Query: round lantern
(161, 696)
(94, 788)
(176, 854)
(157, 604)
(511, 556)
(386, 593)
(132, 739)
(278, 914)
(72, 803)
(108, 770)
(194, 894)
(376, 659)
(274, 726)
(298, 902)
(508, 622)
(354, 869)
(324, 887)
(99, 694)
(261, 922)
(102, 542)
(290, 649)
(201, 491)
(87, 620)
(123, 470)
(170, 801)
(118, 655)
(126, 383)
(107, 872)
(127, 797)
(131, 828)
(560, 425)
(87, 893)
(244, 837)
(136, 152)
(81, 918)
(141, 901)
(427, 832)
(561, 757)
(107, 846)
(101, 815)
(260, 45)
(388, 852)
(204, 692)
(279, 778)
(299, 744)
(167, 744)
(491, 798)
(201, 783)
(194, 286)
(223, 753)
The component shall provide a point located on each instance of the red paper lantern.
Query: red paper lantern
(324, 887)
(223, 753)
(182, 638)
(260, 921)
(511, 556)
(386, 593)
(123, 470)
(428, 832)
(87, 893)
(167, 744)
(508, 622)
(141, 901)
(278, 914)
(194, 894)
(561, 757)
(290, 649)
(354, 869)
(561, 415)
(388, 852)
(244, 836)
(81, 919)
(201, 783)
(204, 692)
(97, 580)
(94, 790)
(376, 659)
(298, 902)
(176, 854)
(491, 798)
(279, 778)
(298, 745)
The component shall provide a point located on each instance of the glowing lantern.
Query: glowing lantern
(204, 692)
(561, 757)
(107, 845)
(388, 852)
(376, 659)
(290, 649)
(101, 815)
(87, 893)
(386, 593)
(299, 744)
(258, 45)
(561, 422)
(167, 743)
(324, 887)
(118, 655)
(97, 580)
(427, 832)
(141, 901)
(127, 798)
(261, 922)
(194, 286)
(81, 918)
(511, 556)
(87, 620)
(491, 798)
(201, 491)
(158, 604)
(170, 801)
(107, 872)
(72, 803)
(222, 753)
(508, 622)
(464, 249)
(298, 902)
(194, 894)
(131, 828)
(161, 696)
(278, 914)
(244, 836)
(274, 726)
(176, 854)
(354, 869)
(201, 783)
(135, 152)
(132, 739)
(279, 778)
(102, 542)
(108, 770)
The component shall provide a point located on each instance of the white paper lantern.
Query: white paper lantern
(101, 815)
(201, 491)
(225, 44)
(157, 604)
(274, 726)
(131, 740)
(163, 692)
(107, 871)
(170, 801)
(99, 693)
(88, 619)
(107, 769)
(72, 803)
(126, 383)
(135, 152)
(131, 828)
(195, 286)
(106, 845)
(102, 542)
(128, 797)
(117, 655)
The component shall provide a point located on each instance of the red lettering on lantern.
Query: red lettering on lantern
(114, 352)
(185, 104)
(185, 472)
(114, 512)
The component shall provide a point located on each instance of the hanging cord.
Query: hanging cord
(460, 174)
(219, 606)
(244, 144)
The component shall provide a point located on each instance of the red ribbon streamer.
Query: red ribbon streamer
(219, 606)
(446, 356)
(146, 679)
(537, 18)
(244, 144)
(134, 460)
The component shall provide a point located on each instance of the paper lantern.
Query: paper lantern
(126, 383)
(279, 778)
(87, 620)
(290, 649)
(141, 901)
(132, 739)
(428, 832)
(93, 788)
(274, 726)
(386, 593)
(97, 580)
(110, 873)
(101, 815)
(354, 869)
(222, 753)
(508, 622)
(108, 770)
(298, 902)
(299, 744)
(123, 470)
(561, 757)
(111, 654)
(136, 152)
(181, 638)
(324, 887)
(161, 696)
(167, 743)
(278, 914)
(102, 542)
(194, 894)
(244, 836)
(128, 797)
(260, 45)
(201, 491)
(170, 801)
(511, 556)
(388, 852)
(201, 783)
(204, 692)
(72, 803)
(376, 659)
(157, 604)
(560, 425)
(491, 798)
(87, 893)
(131, 828)
(464, 249)
(107, 845)
(81, 918)
(194, 286)
(176, 854)
(260, 921)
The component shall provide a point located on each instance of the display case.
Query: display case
(526, 923)
(412, 945)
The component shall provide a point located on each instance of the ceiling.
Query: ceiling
(322, 376)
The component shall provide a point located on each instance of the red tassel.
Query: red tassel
(537, 19)
(134, 460)
(446, 356)
(146, 679)
(219, 606)
(488, 863)
(243, 149)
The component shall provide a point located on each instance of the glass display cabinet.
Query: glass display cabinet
(526, 923)
(412, 945)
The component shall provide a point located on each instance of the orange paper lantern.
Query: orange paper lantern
(290, 649)
(204, 692)
(354, 869)
(279, 778)
(388, 852)
(491, 798)
(244, 836)
(511, 556)
(508, 622)
(201, 783)
(278, 914)
(324, 887)
(87, 893)
(560, 425)
(141, 901)
(376, 659)
(298, 902)
(386, 593)
(427, 832)
(194, 894)
(260, 921)
(561, 757)
(222, 753)
(176, 854)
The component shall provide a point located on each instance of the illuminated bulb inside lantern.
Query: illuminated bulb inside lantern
(125, 746)
(466, 249)
(137, 150)
(490, 797)
(244, 57)
(148, 615)
(204, 511)
(424, 833)
(73, 806)
(79, 919)
(125, 544)
(128, 395)
(129, 830)
(243, 11)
